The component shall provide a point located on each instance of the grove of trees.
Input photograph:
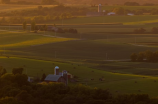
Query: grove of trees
(15, 89)
(42, 14)
(5, 1)
(146, 56)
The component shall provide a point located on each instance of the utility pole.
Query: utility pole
(106, 56)
(55, 54)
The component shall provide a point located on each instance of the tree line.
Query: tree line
(44, 27)
(15, 89)
(44, 11)
(123, 11)
(146, 56)
(153, 30)
(137, 4)
(43, 2)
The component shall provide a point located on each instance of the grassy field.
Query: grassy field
(22, 39)
(93, 53)
(125, 7)
(127, 20)
(115, 82)
(9, 8)
(96, 46)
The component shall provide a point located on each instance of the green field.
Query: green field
(125, 7)
(9, 8)
(127, 20)
(97, 51)
(115, 82)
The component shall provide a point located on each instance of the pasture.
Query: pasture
(126, 20)
(22, 39)
(113, 81)
(107, 7)
(97, 51)
(9, 8)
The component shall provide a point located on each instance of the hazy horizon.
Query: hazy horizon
(98, 1)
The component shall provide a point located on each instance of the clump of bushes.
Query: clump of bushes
(139, 31)
(71, 30)
(154, 30)
(148, 56)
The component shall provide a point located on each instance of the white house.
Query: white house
(111, 13)
(130, 14)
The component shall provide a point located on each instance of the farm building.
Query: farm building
(52, 28)
(91, 14)
(130, 14)
(99, 13)
(58, 76)
(111, 13)
(55, 78)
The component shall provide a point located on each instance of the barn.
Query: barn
(54, 78)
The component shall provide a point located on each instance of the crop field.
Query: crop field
(97, 51)
(22, 39)
(96, 46)
(125, 7)
(9, 8)
(84, 45)
(114, 82)
(127, 20)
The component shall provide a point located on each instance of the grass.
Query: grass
(115, 82)
(22, 39)
(128, 20)
(9, 8)
(125, 7)
(88, 56)
(94, 46)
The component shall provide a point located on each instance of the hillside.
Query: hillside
(98, 1)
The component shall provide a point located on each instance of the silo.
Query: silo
(99, 8)
(64, 73)
(56, 70)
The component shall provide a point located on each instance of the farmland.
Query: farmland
(126, 7)
(86, 54)
(112, 81)
(127, 20)
(101, 49)
(9, 8)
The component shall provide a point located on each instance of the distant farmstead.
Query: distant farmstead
(111, 13)
(58, 77)
(52, 28)
(54, 78)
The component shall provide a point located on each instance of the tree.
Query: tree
(24, 96)
(3, 20)
(48, 2)
(154, 30)
(149, 56)
(131, 4)
(119, 11)
(2, 71)
(24, 25)
(139, 31)
(43, 77)
(10, 100)
(17, 71)
(133, 57)
(5, 1)
(140, 56)
(21, 79)
(33, 24)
